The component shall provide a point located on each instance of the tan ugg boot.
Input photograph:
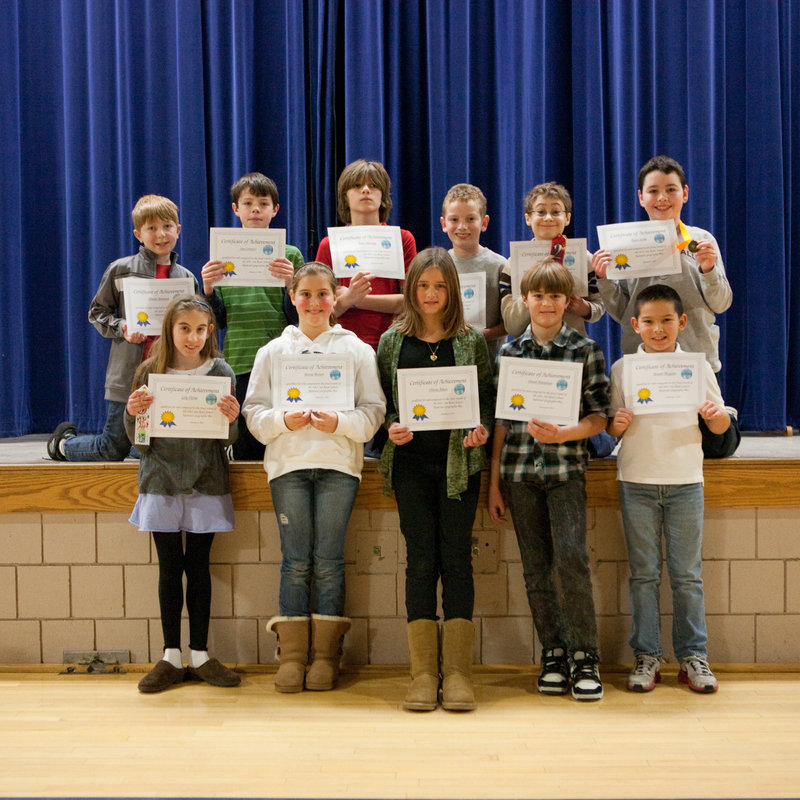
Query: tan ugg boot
(327, 635)
(292, 633)
(458, 638)
(423, 649)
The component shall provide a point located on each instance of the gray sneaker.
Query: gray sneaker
(646, 673)
(697, 675)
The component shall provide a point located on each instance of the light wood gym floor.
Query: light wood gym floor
(83, 735)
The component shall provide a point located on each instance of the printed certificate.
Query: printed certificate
(377, 249)
(547, 390)
(246, 253)
(654, 383)
(640, 249)
(439, 398)
(315, 381)
(185, 407)
(146, 301)
(473, 298)
(523, 255)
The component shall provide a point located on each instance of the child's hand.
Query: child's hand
(139, 401)
(294, 420)
(283, 269)
(579, 307)
(600, 262)
(622, 419)
(353, 294)
(211, 273)
(716, 417)
(706, 255)
(495, 503)
(137, 337)
(545, 432)
(325, 421)
(477, 437)
(400, 434)
(229, 406)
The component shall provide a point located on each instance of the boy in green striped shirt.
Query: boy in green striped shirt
(250, 315)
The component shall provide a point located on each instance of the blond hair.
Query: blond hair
(153, 206)
(465, 192)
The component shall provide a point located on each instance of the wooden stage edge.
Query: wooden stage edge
(57, 487)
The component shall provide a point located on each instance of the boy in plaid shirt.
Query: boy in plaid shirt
(541, 467)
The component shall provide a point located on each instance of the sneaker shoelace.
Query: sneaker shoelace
(699, 666)
(643, 666)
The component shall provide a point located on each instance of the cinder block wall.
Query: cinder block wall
(89, 581)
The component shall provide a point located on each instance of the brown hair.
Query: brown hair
(466, 192)
(357, 174)
(153, 206)
(164, 348)
(410, 322)
(548, 275)
(550, 189)
(316, 268)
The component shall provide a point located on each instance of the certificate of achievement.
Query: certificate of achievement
(184, 407)
(640, 249)
(246, 253)
(377, 249)
(547, 390)
(146, 301)
(524, 255)
(473, 298)
(654, 383)
(313, 380)
(438, 398)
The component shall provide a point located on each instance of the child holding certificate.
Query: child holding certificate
(184, 486)
(366, 304)
(660, 473)
(701, 283)
(251, 316)
(436, 478)
(463, 219)
(156, 226)
(542, 467)
(313, 459)
(548, 211)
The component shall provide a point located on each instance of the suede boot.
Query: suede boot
(327, 635)
(423, 649)
(292, 633)
(458, 639)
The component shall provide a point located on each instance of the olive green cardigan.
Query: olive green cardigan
(468, 348)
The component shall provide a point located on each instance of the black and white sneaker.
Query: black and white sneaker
(585, 676)
(65, 430)
(554, 673)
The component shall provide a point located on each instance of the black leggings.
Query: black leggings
(173, 561)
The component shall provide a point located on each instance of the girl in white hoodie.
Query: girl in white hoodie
(313, 460)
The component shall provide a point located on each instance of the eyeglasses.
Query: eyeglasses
(543, 214)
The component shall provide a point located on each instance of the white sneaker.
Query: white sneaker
(646, 673)
(697, 675)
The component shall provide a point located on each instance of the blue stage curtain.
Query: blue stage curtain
(105, 100)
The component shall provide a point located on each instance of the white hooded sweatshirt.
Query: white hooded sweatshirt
(308, 448)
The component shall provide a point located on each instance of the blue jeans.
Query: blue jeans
(110, 445)
(313, 509)
(677, 511)
(438, 534)
(550, 523)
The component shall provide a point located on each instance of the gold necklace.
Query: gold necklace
(434, 350)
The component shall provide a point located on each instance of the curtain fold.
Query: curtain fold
(105, 100)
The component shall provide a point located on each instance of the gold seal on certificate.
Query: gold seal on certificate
(654, 383)
(246, 253)
(529, 388)
(146, 301)
(184, 407)
(523, 255)
(640, 249)
(377, 249)
(438, 398)
(314, 380)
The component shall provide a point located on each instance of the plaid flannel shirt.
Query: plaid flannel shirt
(525, 458)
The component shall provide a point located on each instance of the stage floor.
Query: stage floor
(33, 449)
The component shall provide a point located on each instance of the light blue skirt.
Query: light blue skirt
(193, 513)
